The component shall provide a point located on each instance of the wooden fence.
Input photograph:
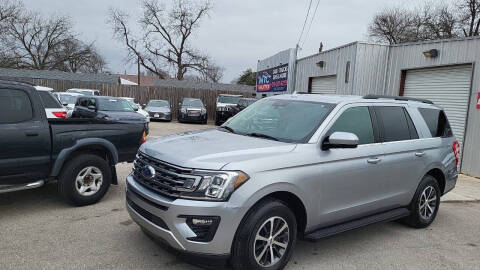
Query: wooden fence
(142, 94)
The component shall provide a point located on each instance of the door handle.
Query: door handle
(31, 134)
(373, 160)
(420, 154)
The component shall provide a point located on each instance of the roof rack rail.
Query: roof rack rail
(398, 98)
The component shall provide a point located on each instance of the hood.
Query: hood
(211, 149)
(157, 109)
(124, 116)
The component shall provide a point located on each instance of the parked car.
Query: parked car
(86, 92)
(80, 154)
(159, 110)
(225, 107)
(108, 108)
(322, 165)
(244, 103)
(192, 110)
(68, 100)
(136, 107)
(52, 106)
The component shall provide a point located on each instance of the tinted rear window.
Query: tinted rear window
(49, 101)
(15, 106)
(395, 124)
(437, 122)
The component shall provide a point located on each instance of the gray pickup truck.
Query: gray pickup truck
(293, 166)
(80, 154)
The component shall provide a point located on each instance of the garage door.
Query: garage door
(448, 87)
(324, 85)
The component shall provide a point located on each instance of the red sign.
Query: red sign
(478, 100)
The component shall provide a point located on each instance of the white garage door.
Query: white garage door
(448, 87)
(324, 85)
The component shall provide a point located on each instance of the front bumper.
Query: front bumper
(162, 218)
(160, 116)
(192, 118)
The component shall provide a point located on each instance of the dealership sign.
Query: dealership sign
(273, 79)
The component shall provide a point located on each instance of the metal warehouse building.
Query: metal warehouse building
(443, 71)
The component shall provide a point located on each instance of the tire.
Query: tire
(258, 217)
(68, 185)
(422, 217)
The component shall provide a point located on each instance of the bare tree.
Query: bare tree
(391, 25)
(469, 12)
(32, 42)
(213, 73)
(80, 57)
(9, 9)
(396, 25)
(165, 40)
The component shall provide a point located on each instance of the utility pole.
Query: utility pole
(138, 70)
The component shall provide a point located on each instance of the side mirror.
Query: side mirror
(82, 112)
(65, 104)
(135, 109)
(340, 140)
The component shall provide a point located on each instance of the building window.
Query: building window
(347, 71)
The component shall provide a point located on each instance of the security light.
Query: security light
(431, 53)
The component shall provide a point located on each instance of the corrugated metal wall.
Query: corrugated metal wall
(370, 69)
(335, 64)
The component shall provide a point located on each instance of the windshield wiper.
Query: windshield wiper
(228, 128)
(260, 135)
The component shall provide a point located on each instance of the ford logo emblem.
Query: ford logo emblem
(148, 172)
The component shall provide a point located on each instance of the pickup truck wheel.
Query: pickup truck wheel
(84, 180)
(425, 203)
(266, 237)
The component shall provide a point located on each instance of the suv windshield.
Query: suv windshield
(116, 105)
(283, 120)
(67, 99)
(196, 103)
(229, 99)
(158, 103)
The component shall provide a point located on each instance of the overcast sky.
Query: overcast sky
(238, 32)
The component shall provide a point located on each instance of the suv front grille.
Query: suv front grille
(168, 180)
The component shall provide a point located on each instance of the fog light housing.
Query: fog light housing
(204, 227)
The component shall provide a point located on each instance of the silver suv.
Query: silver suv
(293, 166)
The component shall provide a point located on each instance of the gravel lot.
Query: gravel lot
(39, 231)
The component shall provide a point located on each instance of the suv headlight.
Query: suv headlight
(183, 110)
(204, 111)
(216, 186)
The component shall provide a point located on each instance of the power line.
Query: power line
(305, 22)
(311, 22)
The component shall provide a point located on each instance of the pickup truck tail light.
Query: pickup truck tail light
(456, 151)
(60, 114)
(144, 137)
